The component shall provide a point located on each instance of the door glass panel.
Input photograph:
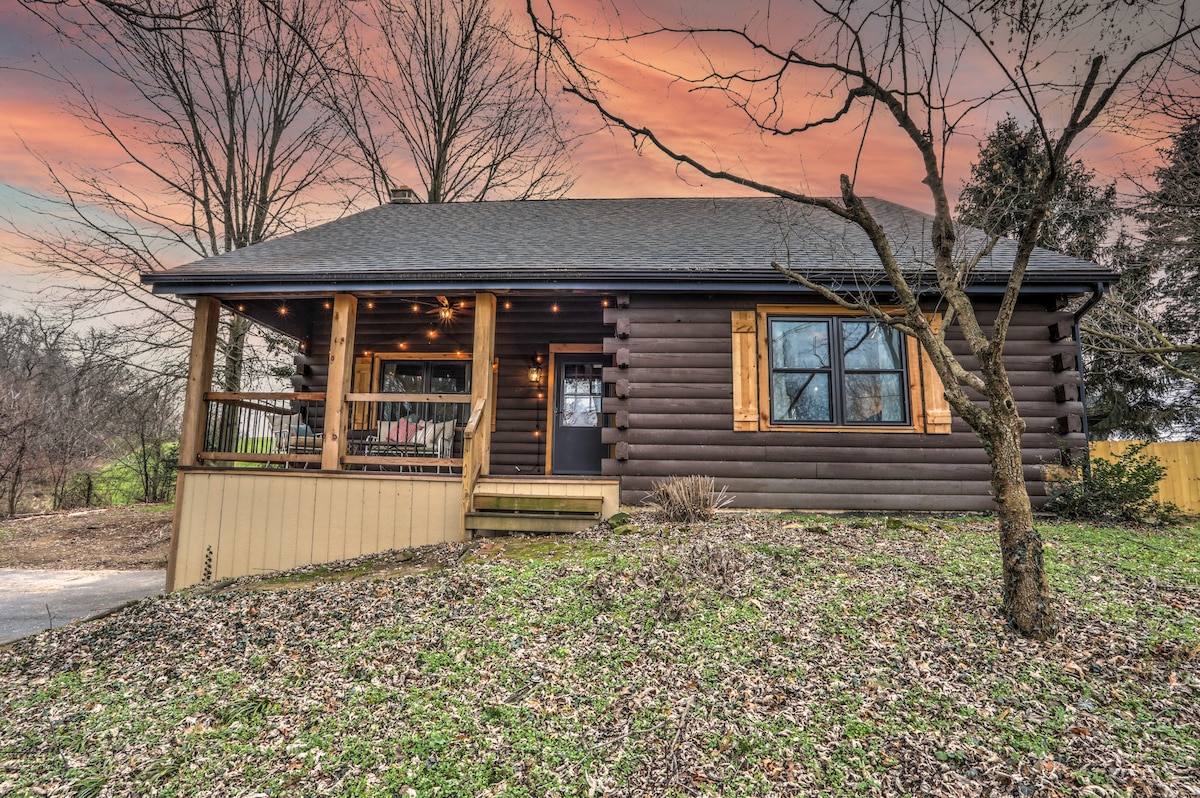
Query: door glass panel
(580, 394)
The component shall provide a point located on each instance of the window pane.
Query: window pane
(581, 392)
(801, 397)
(799, 344)
(447, 377)
(402, 377)
(868, 346)
(874, 398)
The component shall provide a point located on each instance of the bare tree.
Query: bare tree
(148, 437)
(142, 14)
(451, 80)
(851, 62)
(226, 141)
(59, 395)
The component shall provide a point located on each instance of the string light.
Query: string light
(370, 306)
(283, 311)
(328, 306)
(507, 305)
(554, 308)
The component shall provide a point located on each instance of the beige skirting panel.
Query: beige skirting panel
(235, 523)
(608, 489)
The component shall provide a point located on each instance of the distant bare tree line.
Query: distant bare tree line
(66, 407)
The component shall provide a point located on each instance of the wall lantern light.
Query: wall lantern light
(535, 369)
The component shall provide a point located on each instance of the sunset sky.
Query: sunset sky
(33, 124)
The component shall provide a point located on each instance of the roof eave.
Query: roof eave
(195, 285)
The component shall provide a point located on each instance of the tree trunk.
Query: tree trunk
(1025, 599)
(235, 352)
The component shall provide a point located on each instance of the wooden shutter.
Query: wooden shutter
(745, 370)
(361, 383)
(937, 409)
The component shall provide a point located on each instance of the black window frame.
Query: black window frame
(394, 411)
(837, 373)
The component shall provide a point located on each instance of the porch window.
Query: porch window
(420, 377)
(816, 368)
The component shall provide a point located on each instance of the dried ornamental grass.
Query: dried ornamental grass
(686, 500)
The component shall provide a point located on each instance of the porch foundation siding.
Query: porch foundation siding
(242, 522)
(671, 397)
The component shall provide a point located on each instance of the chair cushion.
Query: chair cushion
(401, 431)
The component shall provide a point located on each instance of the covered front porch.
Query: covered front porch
(413, 420)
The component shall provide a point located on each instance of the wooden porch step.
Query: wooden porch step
(495, 512)
(551, 505)
(527, 522)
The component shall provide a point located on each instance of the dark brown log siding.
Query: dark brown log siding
(679, 414)
(678, 404)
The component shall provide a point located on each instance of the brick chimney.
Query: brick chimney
(403, 196)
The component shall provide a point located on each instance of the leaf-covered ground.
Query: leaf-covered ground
(132, 538)
(758, 655)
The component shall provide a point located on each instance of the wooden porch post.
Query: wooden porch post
(191, 431)
(199, 379)
(477, 438)
(484, 346)
(341, 370)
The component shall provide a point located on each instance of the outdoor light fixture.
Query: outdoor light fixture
(445, 313)
(535, 369)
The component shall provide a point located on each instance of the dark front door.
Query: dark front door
(578, 388)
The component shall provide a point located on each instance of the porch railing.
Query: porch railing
(385, 431)
(473, 456)
(265, 428)
(411, 431)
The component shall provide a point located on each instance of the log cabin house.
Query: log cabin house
(534, 365)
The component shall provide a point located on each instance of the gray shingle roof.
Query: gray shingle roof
(608, 244)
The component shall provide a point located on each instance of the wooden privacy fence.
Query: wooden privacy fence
(1181, 485)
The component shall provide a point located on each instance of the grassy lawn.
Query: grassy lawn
(758, 655)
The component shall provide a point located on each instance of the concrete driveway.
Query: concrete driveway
(34, 601)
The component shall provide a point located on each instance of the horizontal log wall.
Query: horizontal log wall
(671, 391)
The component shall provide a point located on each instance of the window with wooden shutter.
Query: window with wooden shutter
(777, 387)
